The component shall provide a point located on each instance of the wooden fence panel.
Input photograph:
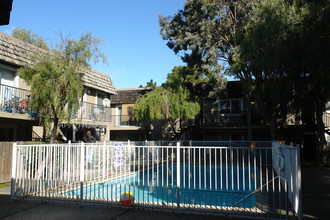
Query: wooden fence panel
(6, 149)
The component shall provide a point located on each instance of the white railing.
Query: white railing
(232, 178)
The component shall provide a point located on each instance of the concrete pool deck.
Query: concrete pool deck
(315, 192)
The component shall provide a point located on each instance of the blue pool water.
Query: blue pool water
(200, 185)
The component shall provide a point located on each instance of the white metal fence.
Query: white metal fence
(233, 178)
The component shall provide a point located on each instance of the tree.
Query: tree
(206, 33)
(151, 84)
(55, 77)
(200, 82)
(28, 36)
(279, 49)
(163, 104)
(288, 41)
(171, 102)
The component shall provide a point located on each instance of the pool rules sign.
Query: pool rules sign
(118, 155)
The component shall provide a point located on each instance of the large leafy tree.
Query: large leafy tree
(279, 49)
(288, 42)
(55, 77)
(206, 34)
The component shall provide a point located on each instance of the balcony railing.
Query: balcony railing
(125, 121)
(218, 119)
(92, 112)
(14, 100)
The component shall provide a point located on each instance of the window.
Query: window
(7, 77)
(230, 106)
(100, 98)
(225, 107)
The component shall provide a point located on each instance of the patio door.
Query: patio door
(7, 81)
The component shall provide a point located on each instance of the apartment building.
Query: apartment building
(18, 123)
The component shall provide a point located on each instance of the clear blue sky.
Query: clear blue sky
(129, 29)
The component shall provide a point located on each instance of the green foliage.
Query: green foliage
(151, 84)
(279, 49)
(28, 36)
(55, 77)
(152, 105)
(173, 101)
(287, 44)
(206, 32)
(162, 103)
(200, 82)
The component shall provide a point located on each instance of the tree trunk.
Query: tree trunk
(248, 117)
(273, 128)
(54, 131)
(44, 129)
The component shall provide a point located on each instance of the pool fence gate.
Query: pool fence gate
(233, 178)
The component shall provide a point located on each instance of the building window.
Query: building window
(99, 98)
(7, 76)
(230, 106)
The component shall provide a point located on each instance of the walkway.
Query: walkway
(316, 192)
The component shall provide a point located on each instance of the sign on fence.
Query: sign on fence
(118, 155)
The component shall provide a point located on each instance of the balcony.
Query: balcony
(125, 121)
(14, 100)
(218, 119)
(92, 112)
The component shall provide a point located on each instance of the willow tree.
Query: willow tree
(168, 105)
(55, 77)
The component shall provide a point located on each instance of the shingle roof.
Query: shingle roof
(14, 52)
(98, 81)
(129, 96)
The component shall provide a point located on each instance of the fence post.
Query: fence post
(82, 159)
(129, 155)
(69, 161)
(178, 174)
(13, 171)
(298, 182)
(104, 158)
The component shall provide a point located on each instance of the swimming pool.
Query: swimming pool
(199, 185)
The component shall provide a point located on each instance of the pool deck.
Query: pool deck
(315, 191)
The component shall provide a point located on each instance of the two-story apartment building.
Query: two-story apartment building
(226, 118)
(17, 122)
(124, 126)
